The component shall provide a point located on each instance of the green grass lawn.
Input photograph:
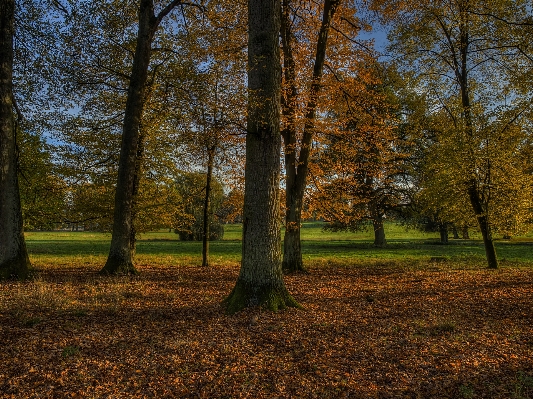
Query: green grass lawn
(319, 247)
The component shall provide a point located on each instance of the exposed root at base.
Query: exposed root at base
(272, 297)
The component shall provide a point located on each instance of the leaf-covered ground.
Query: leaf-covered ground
(367, 332)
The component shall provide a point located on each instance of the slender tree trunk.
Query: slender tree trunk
(474, 193)
(120, 258)
(484, 225)
(292, 252)
(260, 281)
(297, 167)
(207, 205)
(466, 236)
(14, 260)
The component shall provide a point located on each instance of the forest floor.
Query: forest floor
(387, 330)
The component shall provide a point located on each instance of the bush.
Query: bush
(216, 231)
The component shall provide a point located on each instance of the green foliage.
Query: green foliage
(42, 191)
(191, 187)
(523, 386)
(466, 391)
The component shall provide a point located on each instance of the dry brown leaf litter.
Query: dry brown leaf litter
(365, 333)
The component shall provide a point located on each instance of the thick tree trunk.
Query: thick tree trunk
(297, 167)
(207, 205)
(455, 232)
(443, 232)
(260, 281)
(292, 244)
(120, 258)
(465, 234)
(14, 260)
(379, 230)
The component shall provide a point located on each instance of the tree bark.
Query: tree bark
(260, 281)
(296, 167)
(14, 260)
(120, 258)
(207, 205)
(379, 230)
(455, 232)
(443, 232)
(135, 191)
(484, 225)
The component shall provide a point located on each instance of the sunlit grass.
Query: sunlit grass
(88, 250)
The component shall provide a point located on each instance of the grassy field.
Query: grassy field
(376, 323)
(319, 247)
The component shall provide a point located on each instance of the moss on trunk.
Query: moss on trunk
(267, 296)
(118, 266)
(16, 269)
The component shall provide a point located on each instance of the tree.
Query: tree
(98, 66)
(212, 128)
(260, 281)
(307, 89)
(120, 258)
(192, 224)
(503, 174)
(359, 169)
(14, 260)
(454, 48)
(42, 190)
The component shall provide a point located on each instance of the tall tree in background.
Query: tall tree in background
(320, 49)
(120, 258)
(296, 165)
(212, 133)
(14, 260)
(260, 281)
(358, 170)
(464, 61)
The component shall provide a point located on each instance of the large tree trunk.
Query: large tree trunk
(207, 205)
(14, 261)
(120, 258)
(297, 167)
(260, 281)
(377, 224)
(443, 232)
(121, 253)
